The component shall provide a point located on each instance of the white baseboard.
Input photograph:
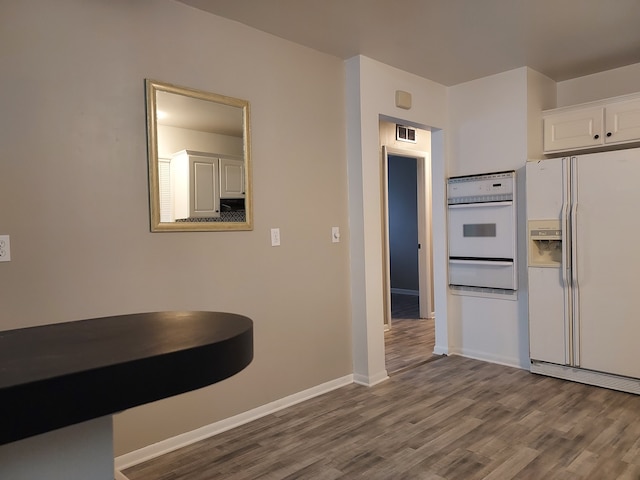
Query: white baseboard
(485, 357)
(155, 450)
(370, 380)
(440, 350)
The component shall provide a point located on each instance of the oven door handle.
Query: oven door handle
(481, 205)
(497, 263)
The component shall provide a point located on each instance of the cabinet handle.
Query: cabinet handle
(596, 136)
(608, 134)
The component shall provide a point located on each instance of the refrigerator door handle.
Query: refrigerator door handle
(566, 261)
(575, 287)
(565, 224)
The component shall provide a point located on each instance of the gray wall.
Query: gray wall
(73, 193)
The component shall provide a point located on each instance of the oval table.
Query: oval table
(58, 378)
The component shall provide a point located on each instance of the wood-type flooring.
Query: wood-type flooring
(410, 340)
(454, 418)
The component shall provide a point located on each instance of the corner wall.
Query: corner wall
(488, 133)
(371, 90)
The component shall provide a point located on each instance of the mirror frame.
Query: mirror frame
(152, 87)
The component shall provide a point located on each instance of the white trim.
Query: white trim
(386, 245)
(440, 350)
(164, 446)
(424, 215)
(371, 380)
(405, 291)
(487, 357)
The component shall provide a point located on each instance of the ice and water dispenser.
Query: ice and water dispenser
(545, 243)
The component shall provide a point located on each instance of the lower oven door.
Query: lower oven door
(482, 230)
(483, 273)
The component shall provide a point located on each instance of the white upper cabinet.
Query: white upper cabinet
(573, 129)
(194, 178)
(596, 124)
(622, 122)
(231, 178)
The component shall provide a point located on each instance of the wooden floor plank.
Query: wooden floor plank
(454, 418)
(410, 340)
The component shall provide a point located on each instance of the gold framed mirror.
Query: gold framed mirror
(199, 159)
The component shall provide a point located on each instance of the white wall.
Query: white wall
(173, 139)
(611, 83)
(488, 133)
(371, 88)
(541, 95)
(74, 197)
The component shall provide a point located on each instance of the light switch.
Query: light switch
(335, 234)
(275, 237)
(5, 248)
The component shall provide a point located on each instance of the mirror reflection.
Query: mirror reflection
(199, 160)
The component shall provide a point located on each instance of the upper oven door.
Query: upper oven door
(482, 230)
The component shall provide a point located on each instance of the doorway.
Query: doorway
(409, 319)
(413, 224)
(404, 244)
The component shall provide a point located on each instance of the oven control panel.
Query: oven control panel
(488, 187)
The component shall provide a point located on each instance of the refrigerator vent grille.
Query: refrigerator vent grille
(589, 377)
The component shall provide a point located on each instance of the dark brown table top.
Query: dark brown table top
(57, 375)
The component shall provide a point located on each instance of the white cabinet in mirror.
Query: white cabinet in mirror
(199, 160)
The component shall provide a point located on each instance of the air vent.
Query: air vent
(405, 134)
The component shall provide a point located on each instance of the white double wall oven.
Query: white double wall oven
(482, 232)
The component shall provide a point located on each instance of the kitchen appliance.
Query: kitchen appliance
(583, 267)
(482, 232)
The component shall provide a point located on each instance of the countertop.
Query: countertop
(57, 375)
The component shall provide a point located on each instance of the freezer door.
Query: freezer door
(547, 329)
(544, 189)
(549, 300)
(607, 228)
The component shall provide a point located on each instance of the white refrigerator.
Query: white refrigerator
(583, 215)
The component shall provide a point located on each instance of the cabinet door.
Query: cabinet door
(231, 178)
(622, 121)
(205, 200)
(573, 130)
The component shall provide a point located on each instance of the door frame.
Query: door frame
(425, 262)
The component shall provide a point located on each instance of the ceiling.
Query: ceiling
(454, 41)
(192, 113)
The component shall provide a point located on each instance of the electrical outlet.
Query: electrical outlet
(275, 237)
(5, 248)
